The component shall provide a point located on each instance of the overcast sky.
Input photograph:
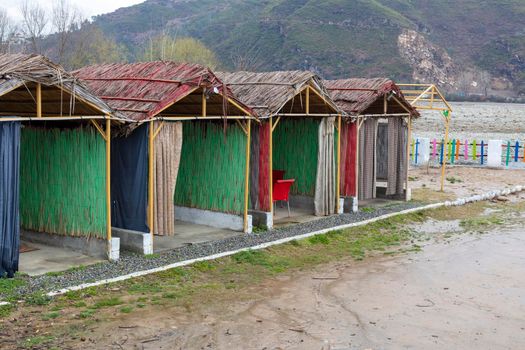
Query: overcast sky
(88, 7)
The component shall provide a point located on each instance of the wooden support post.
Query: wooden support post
(247, 175)
(358, 129)
(270, 164)
(203, 103)
(385, 105)
(445, 142)
(39, 100)
(308, 100)
(338, 174)
(108, 180)
(151, 163)
(407, 165)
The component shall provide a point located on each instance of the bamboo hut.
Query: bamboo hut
(375, 138)
(54, 160)
(297, 136)
(186, 157)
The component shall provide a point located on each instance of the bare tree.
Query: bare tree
(247, 57)
(65, 19)
(7, 31)
(34, 22)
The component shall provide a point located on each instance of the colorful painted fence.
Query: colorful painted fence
(479, 152)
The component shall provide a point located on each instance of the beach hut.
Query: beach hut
(296, 140)
(375, 138)
(54, 161)
(184, 159)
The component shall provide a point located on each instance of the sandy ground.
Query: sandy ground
(481, 121)
(462, 181)
(466, 292)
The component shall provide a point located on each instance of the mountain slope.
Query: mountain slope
(343, 37)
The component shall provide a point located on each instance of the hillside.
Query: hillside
(469, 46)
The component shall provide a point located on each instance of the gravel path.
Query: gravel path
(130, 262)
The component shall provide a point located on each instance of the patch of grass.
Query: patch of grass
(126, 309)
(294, 243)
(5, 310)
(37, 299)
(8, 286)
(50, 316)
(107, 302)
(54, 273)
(141, 305)
(203, 266)
(87, 313)
(76, 268)
(79, 304)
(151, 256)
(260, 229)
(480, 223)
(37, 341)
(453, 179)
(252, 257)
(319, 239)
(367, 210)
(144, 287)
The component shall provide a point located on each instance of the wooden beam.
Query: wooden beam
(308, 99)
(420, 96)
(358, 122)
(99, 128)
(407, 165)
(242, 109)
(338, 174)
(385, 104)
(39, 100)
(275, 124)
(242, 126)
(247, 176)
(108, 181)
(151, 160)
(270, 164)
(158, 130)
(203, 101)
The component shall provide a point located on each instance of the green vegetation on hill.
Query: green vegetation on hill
(334, 37)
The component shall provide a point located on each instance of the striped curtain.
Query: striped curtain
(397, 136)
(168, 146)
(367, 159)
(324, 199)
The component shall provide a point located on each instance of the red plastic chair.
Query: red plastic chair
(281, 191)
(277, 175)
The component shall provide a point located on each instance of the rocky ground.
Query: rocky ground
(480, 121)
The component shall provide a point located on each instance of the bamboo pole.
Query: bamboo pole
(308, 100)
(270, 164)
(358, 129)
(407, 165)
(203, 103)
(247, 174)
(338, 177)
(39, 100)
(108, 180)
(151, 159)
(445, 142)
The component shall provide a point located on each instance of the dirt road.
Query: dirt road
(466, 292)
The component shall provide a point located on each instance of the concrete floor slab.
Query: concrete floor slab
(51, 259)
(297, 216)
(188, 233)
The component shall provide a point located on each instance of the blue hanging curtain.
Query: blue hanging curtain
(9, 198)
(129, 180)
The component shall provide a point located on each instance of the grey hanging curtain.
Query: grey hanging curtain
(382, 152)
(397, 135)
(9, 198)
(129, 180)
(168, 146)
(367, 159)
(324, 200)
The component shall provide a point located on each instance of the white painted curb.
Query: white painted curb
(457, 202)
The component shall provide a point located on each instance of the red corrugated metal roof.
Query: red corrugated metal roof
(356, 95)
(143, 90)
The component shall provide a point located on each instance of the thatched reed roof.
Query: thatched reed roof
(147, 90)
(358, 96)
(62, 93)
(271, 93)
